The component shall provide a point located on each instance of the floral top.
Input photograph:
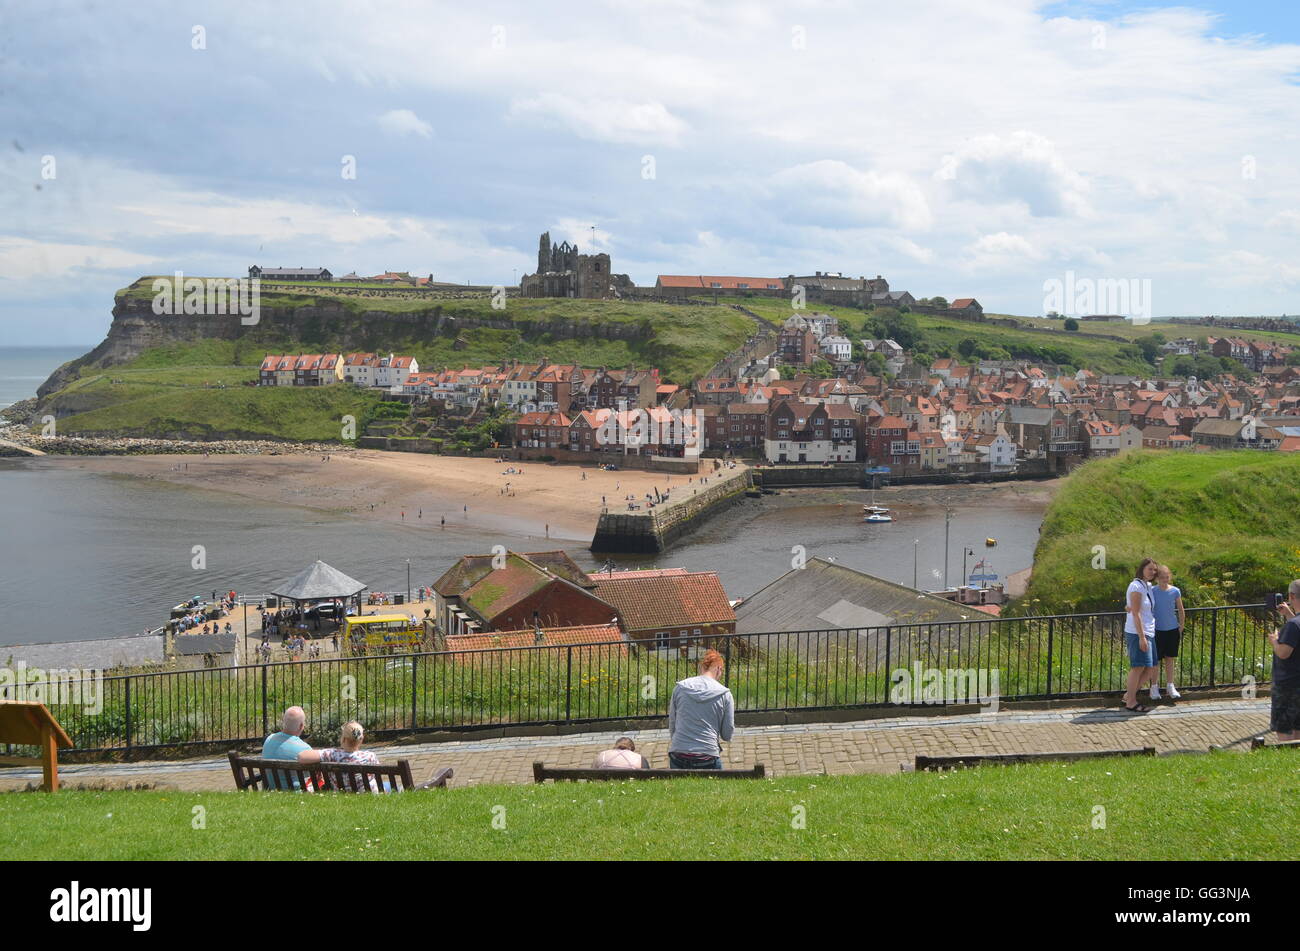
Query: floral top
(356, 757)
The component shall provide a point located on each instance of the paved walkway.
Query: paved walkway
(864, 746)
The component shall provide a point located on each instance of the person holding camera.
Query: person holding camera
(1284, 717)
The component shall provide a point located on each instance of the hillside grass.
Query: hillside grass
(175, 403)
(1227, 808)
(1099, 355)
(683, 341)
(1223, 521)
(193, 388)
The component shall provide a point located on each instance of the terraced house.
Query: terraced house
(801, 432)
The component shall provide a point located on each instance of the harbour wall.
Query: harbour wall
(653, 531)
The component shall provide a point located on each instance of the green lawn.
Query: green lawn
(1220, 520)
(1227, 807)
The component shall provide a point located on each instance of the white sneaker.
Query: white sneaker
(1155, 692)
(1173, 692)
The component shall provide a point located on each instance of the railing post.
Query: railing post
(1051, 636)
(889, 636)
(415, 681)
(265, 722)
(726, 663)
(1214, 640)
(568, 683)
(128, 713)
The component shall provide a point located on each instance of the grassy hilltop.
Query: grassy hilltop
(188, 385)
(1223, 521)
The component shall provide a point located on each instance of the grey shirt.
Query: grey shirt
(702, 712)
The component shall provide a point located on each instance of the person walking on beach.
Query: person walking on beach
(1170, 620)
(701, 716)
(1139, 633)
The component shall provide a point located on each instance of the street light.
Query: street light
(915, 543)
(947, 525)
(408, 581)
(964, 552)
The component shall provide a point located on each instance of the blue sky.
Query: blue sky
(959, 149)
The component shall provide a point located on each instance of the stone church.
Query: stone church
(563, 272)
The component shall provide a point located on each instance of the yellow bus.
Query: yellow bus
(382, 632)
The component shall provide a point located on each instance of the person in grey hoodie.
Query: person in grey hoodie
(702, 713)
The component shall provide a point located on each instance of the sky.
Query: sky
(962, 149)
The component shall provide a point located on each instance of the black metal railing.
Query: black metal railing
(968, 661)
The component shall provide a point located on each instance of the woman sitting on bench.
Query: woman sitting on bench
(348, 751)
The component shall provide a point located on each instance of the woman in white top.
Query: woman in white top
(622, 756)
(1140, 633)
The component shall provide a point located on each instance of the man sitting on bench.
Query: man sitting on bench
(288, 742)
(622, 756)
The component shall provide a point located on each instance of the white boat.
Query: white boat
(874, 512)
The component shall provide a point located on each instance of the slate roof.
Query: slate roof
(319, 581)
(824, 594)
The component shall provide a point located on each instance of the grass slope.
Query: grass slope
(174, 401)
(682, 340)
(1227, 808)
(1221, 520)
(1034, 338)
(173, 390)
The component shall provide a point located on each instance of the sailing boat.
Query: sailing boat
(874, 512)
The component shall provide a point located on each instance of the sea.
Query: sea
(23, 369)
(88, 555)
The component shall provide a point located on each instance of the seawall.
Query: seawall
(655, 530)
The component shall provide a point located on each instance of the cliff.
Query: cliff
(307, 322)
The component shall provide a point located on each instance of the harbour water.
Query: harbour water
(91, 555)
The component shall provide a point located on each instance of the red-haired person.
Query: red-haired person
(701, 714)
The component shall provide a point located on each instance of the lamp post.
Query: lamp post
(964, 552)
(915, 545)
(947, 526)
(408, 581)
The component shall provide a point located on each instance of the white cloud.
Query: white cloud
(1023, 167)
(25, 258)
(834, 193)
(603, 120)
(405, 122)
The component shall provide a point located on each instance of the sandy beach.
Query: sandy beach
(405, 487)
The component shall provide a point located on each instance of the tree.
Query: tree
(967, 346)
(1150, 349)
(875, 363)
(1071, 324)
(1182, 366)
(939, 302)
(1293, 358)
(821, 368)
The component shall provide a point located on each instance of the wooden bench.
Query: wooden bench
(1257, 742)
(542, 773)
(252, 772)
(924, 763)
(27, 723)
